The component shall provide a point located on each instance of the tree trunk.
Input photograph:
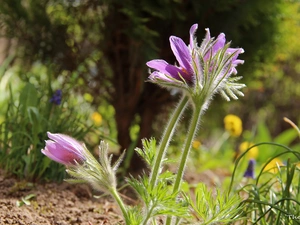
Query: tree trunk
(130, 96)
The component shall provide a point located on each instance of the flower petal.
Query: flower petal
(160, 76)
(183, 56)
(55, 152)
(220, 42)
(236, 52)
(206, 40)
(66, 141)
(165, 68)
(192, 35)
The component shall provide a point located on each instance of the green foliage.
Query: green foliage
(216, 208)
(135, 215)
(273, 197)
(148, 151)
(273, 87)
(24, 130)
(105, 44)
(25, 200)
(158, 200)
(5, 76)
(286, 138)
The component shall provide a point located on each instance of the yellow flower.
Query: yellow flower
(252, 153)
(196, 144)
(97, 118)
(272, 166)
(233, 124)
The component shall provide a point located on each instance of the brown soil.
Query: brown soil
(66, 204)
(55, 204)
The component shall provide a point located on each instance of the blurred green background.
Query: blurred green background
(95, 51)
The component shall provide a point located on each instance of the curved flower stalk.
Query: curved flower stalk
(83, 166)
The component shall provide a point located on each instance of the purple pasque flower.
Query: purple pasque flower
(204, 69)
(185, 72)
(249, 173)
(64, 149)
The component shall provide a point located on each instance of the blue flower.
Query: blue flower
(249, 173)
(56, 97)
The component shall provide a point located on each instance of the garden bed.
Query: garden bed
(61, 204)
(65, 204)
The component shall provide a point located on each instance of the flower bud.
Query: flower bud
(64, 149)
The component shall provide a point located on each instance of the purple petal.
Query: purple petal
(207, 36)
(205, 43)
(192, 35)
(66, 141)
(55, 152)
(160, 76)
(234, 60)
(182, 54)
(195, 56)
(206, 39)
(238, 61)
(165, 68)
(237, 51)
(220, 42)
(64, 149)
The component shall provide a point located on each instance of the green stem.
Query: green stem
(188, 143)
(166, 138)
(121, 204)
(148, 216)
(216, 147)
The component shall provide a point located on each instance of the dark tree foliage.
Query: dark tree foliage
(108, 42)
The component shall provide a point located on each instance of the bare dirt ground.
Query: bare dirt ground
(55, 204)
(65, 204)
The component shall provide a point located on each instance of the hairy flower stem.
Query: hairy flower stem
(166, 138)
(121, 204)
(187, 146)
